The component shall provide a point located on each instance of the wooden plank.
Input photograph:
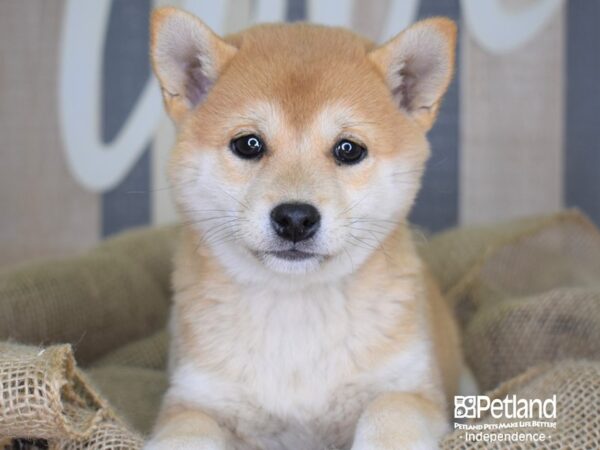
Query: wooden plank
(436, 207)
(45, 213)
(125, 72)
(512, 127)
(582, 152)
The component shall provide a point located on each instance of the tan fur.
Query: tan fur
(358, 350)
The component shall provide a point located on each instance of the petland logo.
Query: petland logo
(511, 407)
(519, 419)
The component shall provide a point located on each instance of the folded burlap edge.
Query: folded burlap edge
(68, 407)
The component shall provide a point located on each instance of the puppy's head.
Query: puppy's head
(300, 148)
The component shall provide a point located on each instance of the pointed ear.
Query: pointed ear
(418, 65)
(187, 58)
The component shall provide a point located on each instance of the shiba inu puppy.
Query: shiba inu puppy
(303, 318)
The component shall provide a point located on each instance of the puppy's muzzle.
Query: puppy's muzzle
(295, 222)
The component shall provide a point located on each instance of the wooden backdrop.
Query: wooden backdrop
(83, 140)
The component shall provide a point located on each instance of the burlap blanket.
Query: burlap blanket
(527, 294)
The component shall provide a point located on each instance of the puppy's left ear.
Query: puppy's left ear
(418, 65)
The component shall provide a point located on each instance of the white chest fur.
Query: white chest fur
(293, 370)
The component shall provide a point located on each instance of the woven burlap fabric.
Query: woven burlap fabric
(505, 340)
(56, 402)
(135, 393)
(44, 396)
(149, 248)
(529, 293)
(526, 293)
(99, 301)
(452, 254)
(147, 353)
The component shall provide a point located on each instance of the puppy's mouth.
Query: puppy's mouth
(293, 254)
(289, 255)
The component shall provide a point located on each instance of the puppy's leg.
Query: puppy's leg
(185, 428)
(400, 420)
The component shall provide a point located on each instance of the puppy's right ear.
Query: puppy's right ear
(187, 58)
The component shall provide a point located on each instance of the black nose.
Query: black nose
(295, 221)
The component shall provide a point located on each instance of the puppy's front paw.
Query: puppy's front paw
(184, 443)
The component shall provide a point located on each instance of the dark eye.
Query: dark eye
(248, 147)
(348, 152)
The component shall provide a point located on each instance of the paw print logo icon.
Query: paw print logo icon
(464, 407)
